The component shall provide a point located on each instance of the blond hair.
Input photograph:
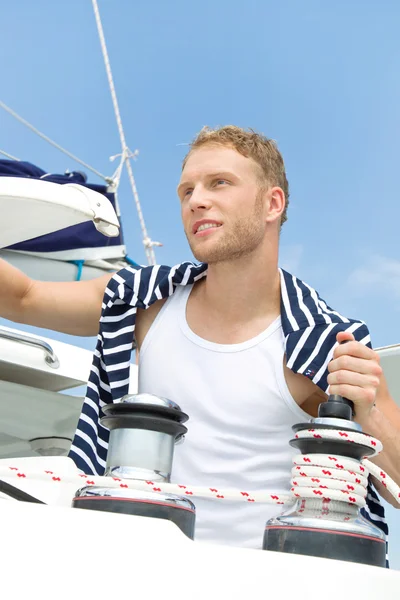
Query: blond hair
(252, 145)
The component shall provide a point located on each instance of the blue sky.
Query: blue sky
(320, 78)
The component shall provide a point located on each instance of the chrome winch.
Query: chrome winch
(143, 432)
(321, 527)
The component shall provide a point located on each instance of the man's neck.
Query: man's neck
(241, 289)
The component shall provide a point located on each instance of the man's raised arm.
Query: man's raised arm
(68, 307)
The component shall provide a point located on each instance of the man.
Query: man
(245, 348)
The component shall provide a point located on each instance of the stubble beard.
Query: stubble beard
(242, 240)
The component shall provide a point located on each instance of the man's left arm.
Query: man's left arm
(355, 373)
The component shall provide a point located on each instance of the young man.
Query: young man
(244, 348)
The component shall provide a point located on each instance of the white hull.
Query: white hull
(152, 558)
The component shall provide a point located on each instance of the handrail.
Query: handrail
(50, 358)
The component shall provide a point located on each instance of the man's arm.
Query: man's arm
(69, 307)
(356, 374)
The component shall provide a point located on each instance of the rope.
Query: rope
(345, 479)
(329, 478)
(126, 152)
(79, 264)
(118, 171)
(9, 155)
(50, 141)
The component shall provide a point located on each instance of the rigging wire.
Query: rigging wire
(50, 141)
(10, 156)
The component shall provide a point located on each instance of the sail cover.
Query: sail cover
(76, 243)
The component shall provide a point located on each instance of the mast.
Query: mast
(126, 152)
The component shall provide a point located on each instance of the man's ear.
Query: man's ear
(277, 203)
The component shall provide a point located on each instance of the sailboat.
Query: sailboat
(71, 230)
(38, 373)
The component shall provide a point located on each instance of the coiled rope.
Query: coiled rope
(314, 476)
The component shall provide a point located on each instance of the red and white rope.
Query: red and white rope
(332, 477)
(314, 476)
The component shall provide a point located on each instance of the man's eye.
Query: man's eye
(221, 181)
(187, 192)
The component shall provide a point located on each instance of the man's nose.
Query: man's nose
(200, 198)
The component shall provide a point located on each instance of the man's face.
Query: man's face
(222, 204)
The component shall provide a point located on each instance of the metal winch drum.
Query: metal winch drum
(322, 528)
(143, 432)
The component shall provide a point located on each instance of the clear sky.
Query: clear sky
(323, 79)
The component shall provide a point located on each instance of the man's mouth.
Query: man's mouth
(205, 227)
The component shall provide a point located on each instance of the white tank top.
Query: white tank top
(240, 417)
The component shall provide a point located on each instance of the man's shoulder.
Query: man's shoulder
(154, 285)
(155, 282)
(302, 306)
(310, 326)
(145, 319)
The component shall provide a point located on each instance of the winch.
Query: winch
(144, 429)
(319, 525)
(329, 479)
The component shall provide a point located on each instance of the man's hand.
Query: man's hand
(355, 374)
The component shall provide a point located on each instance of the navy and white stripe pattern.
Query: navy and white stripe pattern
(309, 326)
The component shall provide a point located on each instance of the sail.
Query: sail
(79, 242)
(75, 252)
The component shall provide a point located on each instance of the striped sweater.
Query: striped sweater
(309, 325)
